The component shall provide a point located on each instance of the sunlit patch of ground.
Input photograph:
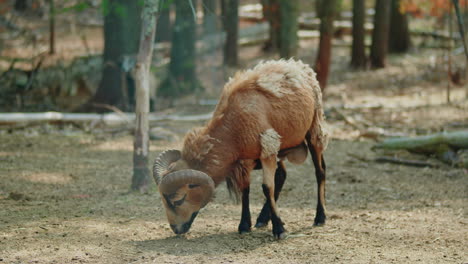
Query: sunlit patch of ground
(376, 212)
(47, 178)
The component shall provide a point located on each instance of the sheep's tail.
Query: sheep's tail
(319, 130)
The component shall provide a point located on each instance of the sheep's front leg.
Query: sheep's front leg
(265, 215)
(246, 222)
(269, 168)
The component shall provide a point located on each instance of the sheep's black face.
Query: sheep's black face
(184, 228)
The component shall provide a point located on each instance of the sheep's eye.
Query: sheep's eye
(191, 186)
(179, 202)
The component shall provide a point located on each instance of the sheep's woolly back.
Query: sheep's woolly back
(277, 77)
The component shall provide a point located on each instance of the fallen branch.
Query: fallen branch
(415, 163)
(348, 120)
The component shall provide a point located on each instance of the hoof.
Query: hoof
(244, 232)
(319, 221)
(281, 236)
(244, 229)
(279, 232)
(261, 224)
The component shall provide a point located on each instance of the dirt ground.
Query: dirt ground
(64, 192)
(64, 198)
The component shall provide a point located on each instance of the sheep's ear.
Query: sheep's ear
(161, 164)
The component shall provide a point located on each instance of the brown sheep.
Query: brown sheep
(264, 115)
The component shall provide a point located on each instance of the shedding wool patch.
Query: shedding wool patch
(273, 82)
(271, 142)
(282, 77)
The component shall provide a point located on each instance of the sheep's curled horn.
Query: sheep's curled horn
(170, 182)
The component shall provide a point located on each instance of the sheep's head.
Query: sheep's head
(183, 191)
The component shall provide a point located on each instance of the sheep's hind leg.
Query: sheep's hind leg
(320, 169)
(246, 222)
(265, 214)
(269, 167)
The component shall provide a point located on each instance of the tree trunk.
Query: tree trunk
(327, 10)
(122, 26)
(379, 45)
(140, 179)
(399, 36)
(461, 27)
(230, 10)
(289, 10)
(163, 24)
(181, 78)
(51, 27)
(271, 13)
(210, 19)
(21, 5)
(358, 54)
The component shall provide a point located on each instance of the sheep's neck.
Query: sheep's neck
(219, 160)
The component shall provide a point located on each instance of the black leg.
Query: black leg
(245, 223)
(265, 214)
(278, 229)
(320, 166)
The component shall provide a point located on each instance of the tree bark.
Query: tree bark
(230, 9)
(122, 26)
(327, 10)
(399, 35)
(358, 54)
(163, 24)
(21, 5)
(288, 41)
(140, 179)
(271, 13)
(380, 33)
(181, 78)
(210, 19)
(461, 27)
(51, 27)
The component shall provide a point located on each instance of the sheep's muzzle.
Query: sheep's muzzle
(184, 191)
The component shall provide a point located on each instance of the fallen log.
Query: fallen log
(445, 146)
(456, 140)
(109, 119)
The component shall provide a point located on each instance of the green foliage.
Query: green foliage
(78, 7)
(113, 7)
(164, 4)
(105, 6)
